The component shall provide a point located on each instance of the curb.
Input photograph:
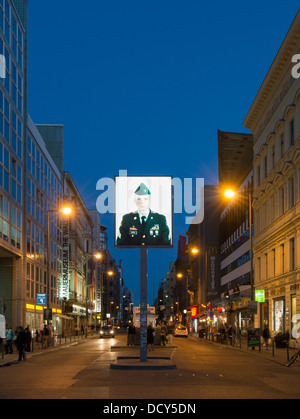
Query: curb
(133, 363)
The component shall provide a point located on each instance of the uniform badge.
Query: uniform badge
(133, 231)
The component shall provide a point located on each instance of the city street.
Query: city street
(204, 371)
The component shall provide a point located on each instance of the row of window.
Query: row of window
(11, 30)
(236, 263)
(277, 262)
(36, 283)
(285, 198)
(284, 140)
(10, 223)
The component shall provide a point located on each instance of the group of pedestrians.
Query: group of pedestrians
(225, 332)
(164, 333)
(20, 338)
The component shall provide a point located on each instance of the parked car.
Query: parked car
(107, 332)
(181, 331)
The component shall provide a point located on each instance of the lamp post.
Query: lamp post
(66, 210)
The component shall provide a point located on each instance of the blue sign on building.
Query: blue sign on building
(41, 299)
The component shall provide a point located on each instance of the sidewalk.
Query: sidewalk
(273, 354)
(7, 359)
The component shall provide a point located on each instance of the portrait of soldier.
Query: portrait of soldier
(143, 227)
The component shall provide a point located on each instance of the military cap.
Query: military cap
(142, 190)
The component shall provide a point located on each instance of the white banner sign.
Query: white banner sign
(65, 286)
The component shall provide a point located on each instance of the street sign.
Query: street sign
(253, 337)
(260, 296)
(194, 311)
(47, 314)
(41, 299)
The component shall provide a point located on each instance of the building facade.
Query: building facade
(235, 173)
(274, 120)
(80, 240)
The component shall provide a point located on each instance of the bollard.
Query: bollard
(288, 350)
(273, 348)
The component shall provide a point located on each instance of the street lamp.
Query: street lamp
(66, 210)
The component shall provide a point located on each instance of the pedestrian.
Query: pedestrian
(230, 333)
(51, 335)
(21, 343)
(131, 335)
(9, 340)
(28, 339)
(46, 334)
(163, 334)
(37, 335)
(266, 336)
(170, 336)
(150, 337)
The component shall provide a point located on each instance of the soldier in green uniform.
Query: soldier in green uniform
(143, 227)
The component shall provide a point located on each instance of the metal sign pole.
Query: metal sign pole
(143, 299)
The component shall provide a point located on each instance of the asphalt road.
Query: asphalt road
(204, 371)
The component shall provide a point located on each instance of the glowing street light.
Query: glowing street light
(229, 193)
(66, 210)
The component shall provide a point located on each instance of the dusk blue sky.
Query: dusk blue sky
(144, 87)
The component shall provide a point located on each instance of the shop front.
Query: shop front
(279, 314)
(239, 316)
(35, 320)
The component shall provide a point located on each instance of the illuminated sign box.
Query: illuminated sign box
(260, 296)
(143, 212)
(194, 311)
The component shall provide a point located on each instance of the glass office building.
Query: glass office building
(30, 185)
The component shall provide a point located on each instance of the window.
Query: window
(282, 258)
(291, 192)
(259, 269)
(292, 132)
(273, 155)
(266, 166)
(293, 313)
(274, 262)
(282, 145)
(266, 266)
(292, 254)
(258, 175)
(281, 201)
